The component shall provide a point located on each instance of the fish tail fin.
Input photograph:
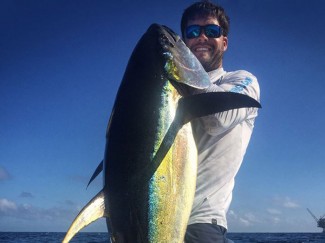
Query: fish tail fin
(94, 210)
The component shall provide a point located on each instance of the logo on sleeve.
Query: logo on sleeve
(239, 88)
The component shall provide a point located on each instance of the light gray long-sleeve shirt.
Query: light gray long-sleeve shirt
(222, 140)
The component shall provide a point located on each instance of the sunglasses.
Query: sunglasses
(210, 31)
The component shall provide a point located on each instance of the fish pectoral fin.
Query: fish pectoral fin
(94, 210)
(205, 104)
(96, 172)
(191, 107)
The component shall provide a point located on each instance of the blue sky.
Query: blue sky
(61, 63)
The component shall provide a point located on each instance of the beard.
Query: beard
(213, 62)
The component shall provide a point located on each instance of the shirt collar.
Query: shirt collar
(216, 74)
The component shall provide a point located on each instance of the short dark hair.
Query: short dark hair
(205, 9)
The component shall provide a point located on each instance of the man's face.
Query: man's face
(209, 51)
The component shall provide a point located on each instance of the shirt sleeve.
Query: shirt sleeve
(239, 82)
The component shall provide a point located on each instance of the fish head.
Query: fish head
(180, 64)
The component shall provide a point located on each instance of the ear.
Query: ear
(225, 43)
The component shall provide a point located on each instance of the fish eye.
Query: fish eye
(164, 40)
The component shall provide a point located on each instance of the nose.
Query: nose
(202, 37)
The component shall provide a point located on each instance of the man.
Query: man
(222, 138)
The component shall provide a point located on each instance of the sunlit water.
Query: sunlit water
(29, 237)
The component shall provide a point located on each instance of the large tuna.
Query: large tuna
(150, 160)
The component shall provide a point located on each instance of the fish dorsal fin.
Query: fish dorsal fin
(205, 104)
(96, 172)
(94, 210)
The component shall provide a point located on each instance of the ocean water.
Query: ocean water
(30, 237)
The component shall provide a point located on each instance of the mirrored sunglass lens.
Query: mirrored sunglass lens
(192, 32)
(212, 31)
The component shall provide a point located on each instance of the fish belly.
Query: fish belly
(171, 190)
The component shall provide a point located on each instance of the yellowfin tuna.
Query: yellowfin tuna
(150, 159)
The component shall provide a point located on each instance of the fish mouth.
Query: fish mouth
(167, 37)
(171, 33)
